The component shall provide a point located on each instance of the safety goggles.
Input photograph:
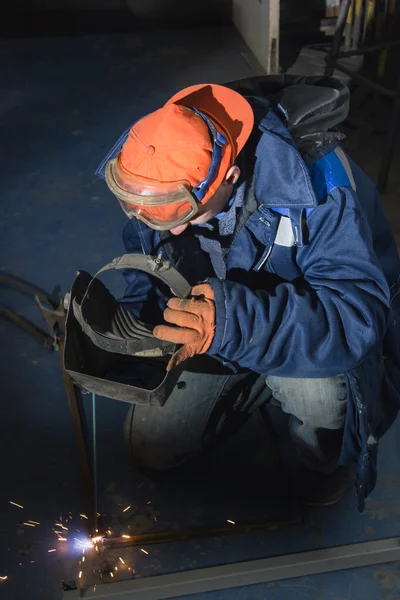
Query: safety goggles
(163, 205)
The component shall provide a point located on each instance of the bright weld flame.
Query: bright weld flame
(122, 560)
(16, 504)
(83, 516)
(83, 544)
(231, 522)
(125, 509)
(143, 550)
(96, 539)
(52, 550)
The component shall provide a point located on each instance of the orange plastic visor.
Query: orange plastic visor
(162, 206)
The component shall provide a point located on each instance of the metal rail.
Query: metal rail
(314, 562)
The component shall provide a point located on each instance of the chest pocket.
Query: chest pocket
(282, 258)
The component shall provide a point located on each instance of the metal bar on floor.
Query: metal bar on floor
(77, 413)
(179, 535)
(314, 562)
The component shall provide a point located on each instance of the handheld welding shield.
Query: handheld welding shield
(108, 351)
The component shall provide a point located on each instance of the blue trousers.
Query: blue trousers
(205, 408)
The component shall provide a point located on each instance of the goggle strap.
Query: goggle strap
(219, 141)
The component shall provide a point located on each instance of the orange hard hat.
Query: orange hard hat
(190, 143)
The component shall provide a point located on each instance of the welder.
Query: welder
(246, 190)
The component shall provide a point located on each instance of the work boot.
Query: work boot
(314, 488)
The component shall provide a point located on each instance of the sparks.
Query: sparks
(62, 539)
(231, 522)
(149, 502)
(122, 560)
(3, 577)
(80, 574)
(112, 574)
(143, 550)
(155, 518)
(127, 508)
(83, 516)
(62, 526)
(29, 524)
(52, 550)
(16, 504)
(115, 568)
(83, 558)
(94, 588)
(34, 522)
(96, 539)
(127, 537)
(99, 514)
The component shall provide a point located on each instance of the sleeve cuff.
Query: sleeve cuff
(220, 314)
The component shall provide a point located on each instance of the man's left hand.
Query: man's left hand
(194, 324)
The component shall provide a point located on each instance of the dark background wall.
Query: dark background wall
(78, 17)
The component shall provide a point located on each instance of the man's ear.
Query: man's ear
(232, 175)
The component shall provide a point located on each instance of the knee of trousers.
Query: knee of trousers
(320, 403)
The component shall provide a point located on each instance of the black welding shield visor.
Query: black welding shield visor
(108, 351)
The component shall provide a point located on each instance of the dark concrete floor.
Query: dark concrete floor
(64, 103)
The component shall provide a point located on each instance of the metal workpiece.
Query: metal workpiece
(314, 562)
